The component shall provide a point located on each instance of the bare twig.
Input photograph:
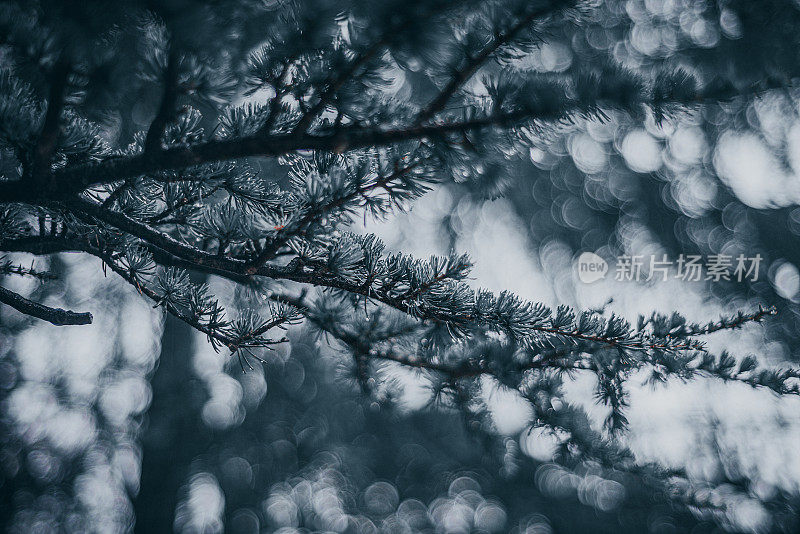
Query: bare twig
(56, 316)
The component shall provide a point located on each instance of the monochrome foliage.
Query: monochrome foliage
(254, 163)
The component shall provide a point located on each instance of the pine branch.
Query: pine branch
(280, 92)
(182, 203)
(211, 333)
(150, 235)
(233, 343)
(73, 179)
(560, 358)
(725, 323)
(236, 269)
(500, 315)
(56, 316)
(117, 193)
(337, 81)
(252, 336)
(421, 314)
(274, 245)
(334, 84)
(639, 344)
(724, 367)
(461, 76)
(453, 372)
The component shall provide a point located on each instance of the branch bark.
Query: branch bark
(56, 316)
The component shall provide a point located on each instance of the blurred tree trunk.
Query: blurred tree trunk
(173, 434)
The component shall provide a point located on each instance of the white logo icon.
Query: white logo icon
(591, 267)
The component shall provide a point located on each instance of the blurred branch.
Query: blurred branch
(280, 92)
(56, 316)
(48, 138)
(461, 76)
(155, 133)
(335, 83)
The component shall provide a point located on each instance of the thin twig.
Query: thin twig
(8, 267)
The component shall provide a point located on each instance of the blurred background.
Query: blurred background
(135, 422)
